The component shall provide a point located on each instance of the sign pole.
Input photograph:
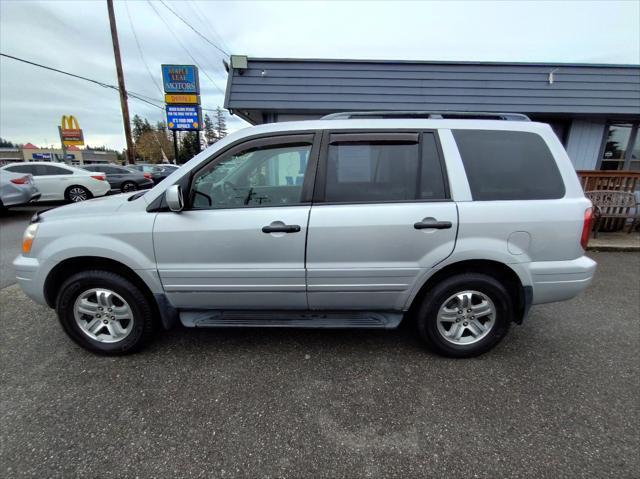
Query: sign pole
(123, 92)
(175, 147)
(64, 150)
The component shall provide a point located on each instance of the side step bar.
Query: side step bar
(290, 319)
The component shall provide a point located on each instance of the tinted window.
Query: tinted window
(52, 170)
(22, 169)
(268, 176)
(368, 169)
(508, 165)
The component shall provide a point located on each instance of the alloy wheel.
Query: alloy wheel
(466, 317)
(78, 194)
(103, 315)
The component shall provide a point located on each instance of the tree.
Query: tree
(139, 127)
(210, 135)
(221, 123)
(6, 143)
(154, 146)
(189, 146)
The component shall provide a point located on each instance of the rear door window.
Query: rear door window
(46, 170)
(508, 165)
(379, 167)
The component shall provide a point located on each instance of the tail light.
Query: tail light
(147, 176)
(99, 177)
(586, 228)
(21, 181)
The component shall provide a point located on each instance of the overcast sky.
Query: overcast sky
(74, 36)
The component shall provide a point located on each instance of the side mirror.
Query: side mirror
(173, 197)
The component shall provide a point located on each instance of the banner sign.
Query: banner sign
(41, 156)
(186, 99)
(180, 79)
(70, 132)
(184, 117)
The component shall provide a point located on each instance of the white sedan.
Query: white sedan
(58, 181)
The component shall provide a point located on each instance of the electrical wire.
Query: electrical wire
(129, 93)
(184, 47)
(192, 28)
(144, 62)
(206, 23)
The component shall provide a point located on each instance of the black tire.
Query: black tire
(128, 186)
(142, 311)
(75, 192)
(427, 314)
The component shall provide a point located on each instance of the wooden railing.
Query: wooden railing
(610, 180)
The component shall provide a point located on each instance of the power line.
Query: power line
(204, 20)
(134, 95)
(192, 28)
(133, 29)
(184, 47)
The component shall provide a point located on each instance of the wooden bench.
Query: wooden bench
(613, 204)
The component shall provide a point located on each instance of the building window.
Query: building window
(621, 150)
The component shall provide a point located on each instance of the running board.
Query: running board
(289, 319)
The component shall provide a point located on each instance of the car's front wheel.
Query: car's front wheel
(465, 315)
(104, 312)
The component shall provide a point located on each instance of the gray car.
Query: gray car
(459, 224)
(16, 189)
(121, 179)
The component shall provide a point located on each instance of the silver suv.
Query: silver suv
(349, 222)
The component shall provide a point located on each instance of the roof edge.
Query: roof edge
(443, 62)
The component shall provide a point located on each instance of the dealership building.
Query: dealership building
(594, 109)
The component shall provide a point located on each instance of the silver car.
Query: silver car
(16, 189)
(459, 224)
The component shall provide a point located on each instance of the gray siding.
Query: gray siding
(324, 86)
(583, 145)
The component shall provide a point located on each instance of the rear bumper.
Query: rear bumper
(16, 195)
(560, 280)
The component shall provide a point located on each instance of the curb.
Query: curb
(613, 248)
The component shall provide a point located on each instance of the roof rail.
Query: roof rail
(431, 115)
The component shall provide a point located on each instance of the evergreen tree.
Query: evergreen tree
(189, 146)
(209, 130)
(6, 143)
(221, 123)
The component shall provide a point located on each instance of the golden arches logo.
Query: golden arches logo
(70, 123)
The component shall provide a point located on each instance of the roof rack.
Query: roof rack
(431, 115)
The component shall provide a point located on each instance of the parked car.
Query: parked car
(461, 224)
(16, 189)
(123, 179)
(158, 172)
(62, 182)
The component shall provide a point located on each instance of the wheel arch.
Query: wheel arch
(70, 266)
(496, 269)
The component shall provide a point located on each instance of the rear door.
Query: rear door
(52, 181)
(240, 242)
(381, 216)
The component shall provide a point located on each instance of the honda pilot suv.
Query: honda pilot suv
(353, 221)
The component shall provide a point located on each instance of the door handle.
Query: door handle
(280, 228)
(432, 223)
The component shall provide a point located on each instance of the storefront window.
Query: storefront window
(634, 162)
(618, 153)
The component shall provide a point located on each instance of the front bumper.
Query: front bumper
(560, 280)
(27, 276)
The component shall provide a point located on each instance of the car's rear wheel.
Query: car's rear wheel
(128, 186)
(77, 193)
(465, 315)
(104, 312)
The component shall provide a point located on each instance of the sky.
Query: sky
(74, 36)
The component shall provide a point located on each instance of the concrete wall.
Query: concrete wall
(584, 143)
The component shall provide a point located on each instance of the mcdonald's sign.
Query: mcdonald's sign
(70, 132)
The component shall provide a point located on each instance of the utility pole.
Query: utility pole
(123, 92)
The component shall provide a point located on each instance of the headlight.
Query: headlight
(28, 237)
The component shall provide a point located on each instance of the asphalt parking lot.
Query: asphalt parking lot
(558, 398)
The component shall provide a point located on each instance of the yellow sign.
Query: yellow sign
(70, 132)
(181, 99)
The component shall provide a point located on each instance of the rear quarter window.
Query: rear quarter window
(508, 165)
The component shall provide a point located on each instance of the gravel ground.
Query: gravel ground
(558, 398)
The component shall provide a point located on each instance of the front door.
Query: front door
(240, 242)
(381, 217)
